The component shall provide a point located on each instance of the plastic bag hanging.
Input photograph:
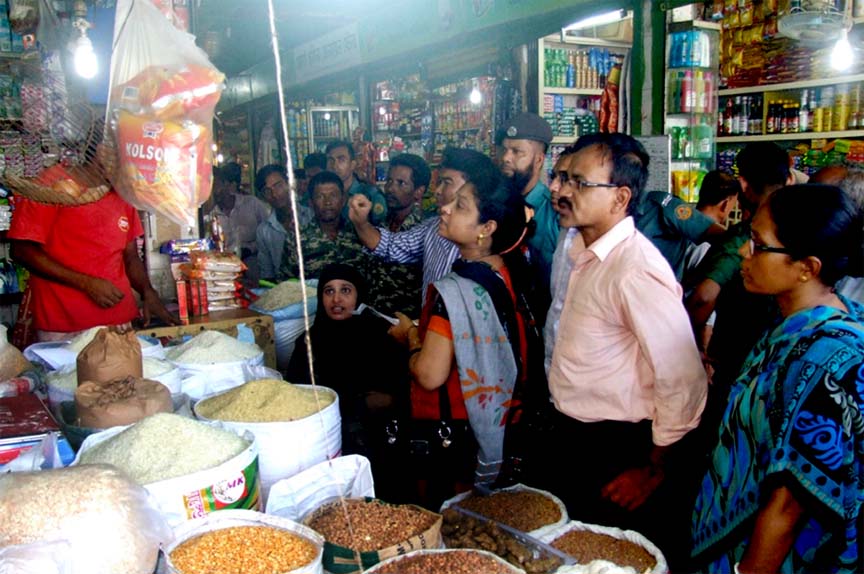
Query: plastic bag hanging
(164, 92)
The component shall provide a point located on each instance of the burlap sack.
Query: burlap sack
(110, 356)
(12, 362)
(105, 405)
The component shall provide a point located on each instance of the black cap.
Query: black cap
(526, 126)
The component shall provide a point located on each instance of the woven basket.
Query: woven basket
(42, 194)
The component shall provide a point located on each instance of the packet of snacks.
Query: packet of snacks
(163, 96)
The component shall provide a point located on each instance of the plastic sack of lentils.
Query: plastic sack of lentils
(369, 531)
(232, 541)
(445, 562)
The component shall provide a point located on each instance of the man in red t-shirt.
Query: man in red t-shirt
(84, 264)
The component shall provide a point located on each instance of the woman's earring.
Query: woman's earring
(803, 279)
(480, 240)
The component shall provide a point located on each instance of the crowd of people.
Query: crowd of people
(689, 369)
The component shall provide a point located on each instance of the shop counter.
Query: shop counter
(226, 322)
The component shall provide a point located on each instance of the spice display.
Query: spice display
(246, 549)
(367, 526)
(586, 546)
(265, 400)
(453, 562)
(209, 347)
(166, 446)
(279, 297)
(462, 531)
(104, 516)
(521, 509)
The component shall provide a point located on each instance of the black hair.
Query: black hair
(629, 161)
(820, 221)
(336, 145)
(325, 177)
(717, 186)
(264, 173)
(420, 172)
(299, 173)
(498, 201)
(230, 172)
(471, 163)
(763, 165)
(316, 159)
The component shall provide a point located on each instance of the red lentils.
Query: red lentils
(373, 525)
(243, 550)
(450, 562)
(520, 509)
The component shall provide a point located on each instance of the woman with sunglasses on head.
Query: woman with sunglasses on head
(785, 484)
(470, 353)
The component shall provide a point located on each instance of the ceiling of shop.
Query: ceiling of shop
(241, 29)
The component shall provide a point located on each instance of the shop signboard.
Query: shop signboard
(333, 52)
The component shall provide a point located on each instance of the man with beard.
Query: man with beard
(328, 238)
(272, 185)
(625, 378)
(523, 144)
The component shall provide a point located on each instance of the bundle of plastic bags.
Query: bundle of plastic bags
(163, 95)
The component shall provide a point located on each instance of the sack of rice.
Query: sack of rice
(110, 356)
(164, 372)
(191, 468)
(295, 427)
(60, 354)
(120, 403)
(597, 547)
(285, 301)
(445, 562)
(360, 533)
(526, 509)
(234, 541)
(96, 519)
(216, 356)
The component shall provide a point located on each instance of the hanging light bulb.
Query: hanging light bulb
(842, 55)
(475, 97)
(86, 63)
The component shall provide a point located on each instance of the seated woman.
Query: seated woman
(355, 357)
(785, 484)
(470, 349)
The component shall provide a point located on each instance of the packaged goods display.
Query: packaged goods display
(105, 518)
(266, 400)
(577, 67)
(211, 347)
(367, 525)
(165, 446)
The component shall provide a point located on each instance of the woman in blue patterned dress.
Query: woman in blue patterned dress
(785, 483)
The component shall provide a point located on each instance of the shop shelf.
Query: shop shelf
(474, 129)
(573, 91)
(815, 83)
(564, 139)
(792, 137)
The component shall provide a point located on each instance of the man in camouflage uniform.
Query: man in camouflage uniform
(397, 287)
(342, 162)
(328, 238)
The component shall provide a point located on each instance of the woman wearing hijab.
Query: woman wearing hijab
(355, 357)
(785, 484)
(469, 356)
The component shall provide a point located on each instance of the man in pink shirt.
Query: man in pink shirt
(626, 379)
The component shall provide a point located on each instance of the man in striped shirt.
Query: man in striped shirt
(422, 242)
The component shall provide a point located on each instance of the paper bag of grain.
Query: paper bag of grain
(119, 403)
(110, 356)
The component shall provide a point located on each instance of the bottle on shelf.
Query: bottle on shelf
(754, 121)
(804, 113)
(728, 115)
(687, 93)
